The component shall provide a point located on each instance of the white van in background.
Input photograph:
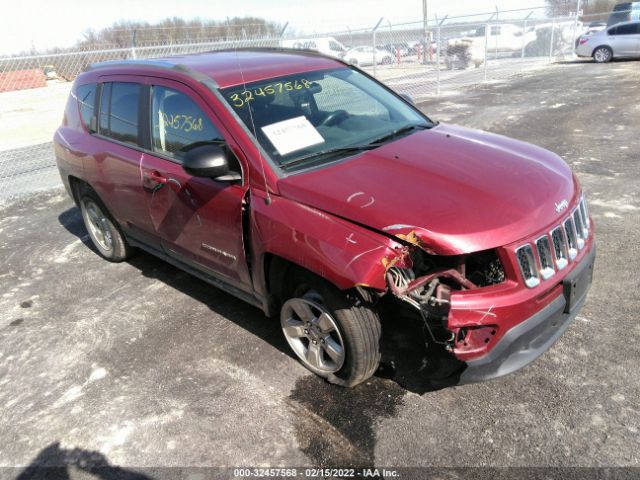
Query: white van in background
(326, 45)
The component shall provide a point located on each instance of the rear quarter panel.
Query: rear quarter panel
(70, 141)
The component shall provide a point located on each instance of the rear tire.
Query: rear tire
(102, 228)
(603, 55)
(318, 312)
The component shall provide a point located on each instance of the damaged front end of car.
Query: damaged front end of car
(478, 306)
(428, 286)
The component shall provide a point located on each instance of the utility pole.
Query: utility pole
(575, 28)
(427, 43)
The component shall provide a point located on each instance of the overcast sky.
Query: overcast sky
(49, 23)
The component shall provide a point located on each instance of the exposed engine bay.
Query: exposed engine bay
(427, 286)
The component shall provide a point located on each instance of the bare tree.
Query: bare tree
(599, 6)
(564, 7)
(557, 8)
(177, 30)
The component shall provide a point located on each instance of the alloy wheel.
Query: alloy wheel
(97, 224)
(602, 55)
(313, 334)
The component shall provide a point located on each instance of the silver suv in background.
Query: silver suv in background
(618, 41)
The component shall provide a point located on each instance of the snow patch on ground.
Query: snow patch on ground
(67, 251)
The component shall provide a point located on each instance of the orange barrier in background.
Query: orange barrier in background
(22, 79)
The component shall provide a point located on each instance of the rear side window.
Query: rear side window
(119, 107)
(86, 95)
(177, 123)
(628, 29)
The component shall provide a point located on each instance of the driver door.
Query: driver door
(198, 220)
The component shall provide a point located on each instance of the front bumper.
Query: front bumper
(527, 340)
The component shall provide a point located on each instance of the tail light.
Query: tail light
(583, 41)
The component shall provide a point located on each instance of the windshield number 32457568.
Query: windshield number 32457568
(241, 99)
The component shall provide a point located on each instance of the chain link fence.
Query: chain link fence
(418, 59)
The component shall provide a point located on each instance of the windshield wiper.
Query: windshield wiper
(355, 148)
(399, 131)
(330, 151)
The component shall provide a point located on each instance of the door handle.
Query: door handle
(157, 177)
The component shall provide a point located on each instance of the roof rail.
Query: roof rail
(294, 51)
(128, 63)
(166, 64)
(160, 64)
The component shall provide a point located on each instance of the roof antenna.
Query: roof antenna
(267, 199)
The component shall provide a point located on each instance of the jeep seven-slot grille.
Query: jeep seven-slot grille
(559, 248)
(544, 255)
(570, 232)
(553, 252)
(528, 265)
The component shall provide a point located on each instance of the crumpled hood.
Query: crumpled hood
(451, 189)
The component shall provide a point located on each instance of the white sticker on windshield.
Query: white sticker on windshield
(293, 134)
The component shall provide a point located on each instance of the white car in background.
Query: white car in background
(504, 37)
(364, 55)
(619, 41)
(327, 45)
(588, 30)
(470, 47)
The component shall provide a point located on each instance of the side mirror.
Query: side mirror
(407, 98)
(208, 161)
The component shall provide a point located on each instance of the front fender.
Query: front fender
(343, 253)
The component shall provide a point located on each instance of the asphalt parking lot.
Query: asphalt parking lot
(140, 365)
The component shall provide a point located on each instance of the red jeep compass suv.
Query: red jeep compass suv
(307, 188)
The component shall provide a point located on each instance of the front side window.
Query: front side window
(177, 123)
(86, 95)
(119, 107)
(306, 119)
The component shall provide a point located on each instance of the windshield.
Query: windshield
(313, 118)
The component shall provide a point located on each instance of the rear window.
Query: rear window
(119, 111)
(86, 95)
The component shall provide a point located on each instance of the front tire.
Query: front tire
(603, 55)
(335, 335)
(103, 231)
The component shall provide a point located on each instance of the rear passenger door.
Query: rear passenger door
(625, 39)
(198, 220)
(113, 169)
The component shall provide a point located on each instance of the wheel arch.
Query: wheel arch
(275, 273)
(75, 185)
(286, 234)
(74, 188)
(601, 46)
